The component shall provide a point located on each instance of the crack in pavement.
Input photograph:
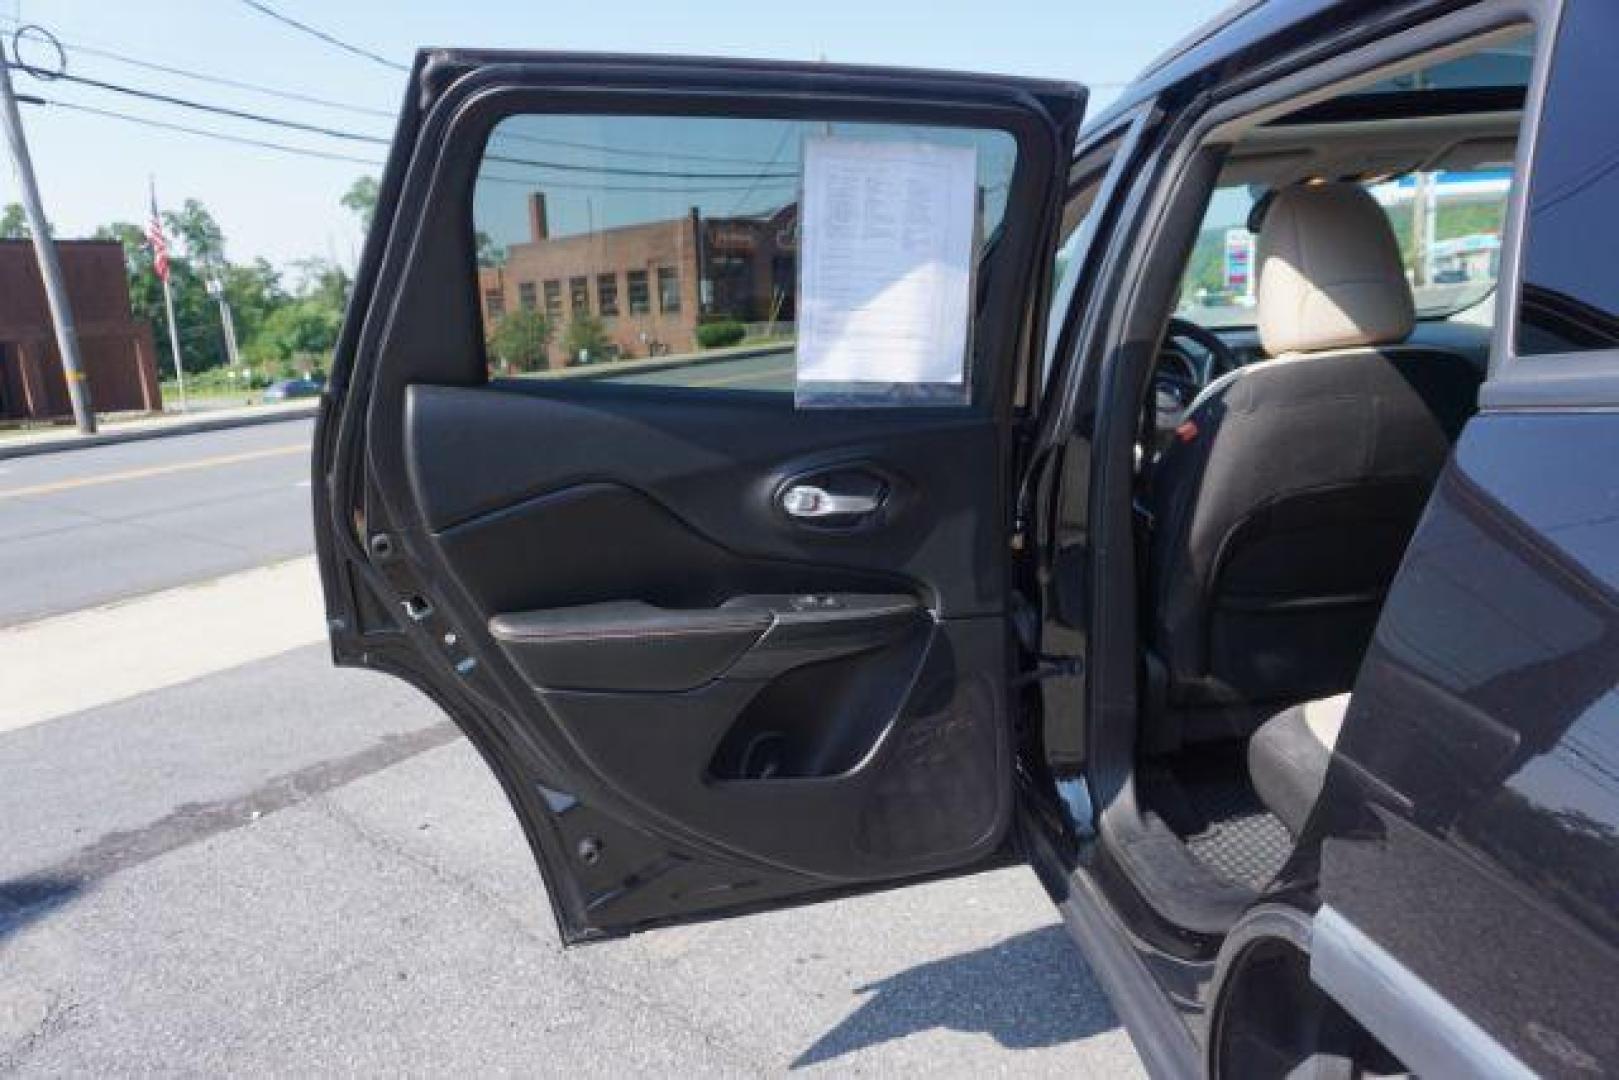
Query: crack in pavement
(26, 1021)
(29, 896)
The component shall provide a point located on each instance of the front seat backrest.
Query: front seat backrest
(1283, 509)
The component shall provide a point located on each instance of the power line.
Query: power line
(598, 148)
(219, 110)
(266, 9)
(217, 80)
(244, 140)
(377, 140)
(304, 151)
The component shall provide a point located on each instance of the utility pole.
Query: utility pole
(216, 289)
(50, 269)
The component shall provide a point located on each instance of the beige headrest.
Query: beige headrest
(1330, 275)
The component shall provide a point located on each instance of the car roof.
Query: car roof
(1247, 33)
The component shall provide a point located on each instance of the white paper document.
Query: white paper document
(886, 249)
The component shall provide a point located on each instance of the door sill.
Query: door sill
(1168, 1049)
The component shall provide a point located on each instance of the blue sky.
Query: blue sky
(94, 169)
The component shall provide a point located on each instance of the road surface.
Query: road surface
(224, 855)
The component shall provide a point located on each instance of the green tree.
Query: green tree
(297, 334)
(323, 280)
(14, 223)
(196, 316)
(254, 293)
(361, 197)
(489, 252)
(201, 238)
(586, 341)
(521, 340)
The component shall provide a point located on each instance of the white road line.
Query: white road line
(69, 663)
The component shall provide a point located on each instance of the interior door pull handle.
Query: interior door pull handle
(809, 501)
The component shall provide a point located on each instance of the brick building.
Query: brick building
(651, 283)
(119, 358)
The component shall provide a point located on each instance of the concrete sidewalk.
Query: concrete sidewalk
(131, 428)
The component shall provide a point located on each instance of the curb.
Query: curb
(155, 431)
(617, 369)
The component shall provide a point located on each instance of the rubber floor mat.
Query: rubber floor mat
(1206, 798)
(1245, 844)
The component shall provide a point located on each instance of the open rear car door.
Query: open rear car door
(731, 631)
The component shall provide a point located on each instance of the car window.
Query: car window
(1078, 231)
(1448, 225)
(664, 250)
(1569, 298)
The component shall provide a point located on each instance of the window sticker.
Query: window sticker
(886, 253)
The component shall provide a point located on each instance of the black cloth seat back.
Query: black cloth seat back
(1284, 506)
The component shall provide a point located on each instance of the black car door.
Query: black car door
(727, 615)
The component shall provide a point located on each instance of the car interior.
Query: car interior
(1332, 331)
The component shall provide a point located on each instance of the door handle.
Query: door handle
(809, 501)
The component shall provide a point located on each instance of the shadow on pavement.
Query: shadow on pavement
(26, 899)
(1031, 990)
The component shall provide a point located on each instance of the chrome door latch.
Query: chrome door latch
(809, 501)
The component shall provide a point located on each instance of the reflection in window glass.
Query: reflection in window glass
(1570, 295)
(1448, 225)
(677, 223)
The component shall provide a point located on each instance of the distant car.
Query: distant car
(1301, 701)
(288, 389)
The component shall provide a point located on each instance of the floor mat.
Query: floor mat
(1242, 842)
(1209, 803)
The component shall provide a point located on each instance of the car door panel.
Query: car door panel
(698, 702)
(858, 713)
(482, 459)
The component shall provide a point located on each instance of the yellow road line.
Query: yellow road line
(154, 470)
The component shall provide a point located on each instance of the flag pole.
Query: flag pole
(168, 307)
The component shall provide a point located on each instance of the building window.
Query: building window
(607, 294)
(579, 295)
(527, 297)
(494, 302)
(553, 301)
(640, 297)
(668, 290)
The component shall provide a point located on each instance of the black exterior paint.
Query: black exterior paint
(1471, 823)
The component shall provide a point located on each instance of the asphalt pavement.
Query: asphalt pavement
(274, 866)
(89, 526)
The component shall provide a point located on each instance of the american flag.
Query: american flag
(159, 242)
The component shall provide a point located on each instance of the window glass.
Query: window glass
(1504, 65)
(607, 294)
(527, 298)
(1074, 242)
(1448, 225)
(1569, 299)
(668, 290)
(687, 227)
(640, 298)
